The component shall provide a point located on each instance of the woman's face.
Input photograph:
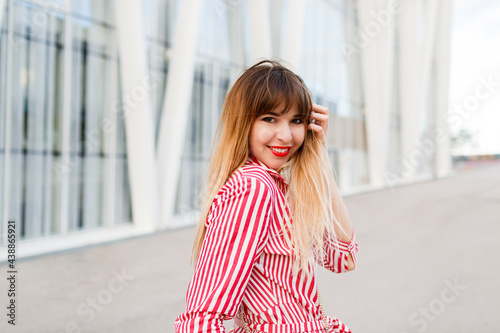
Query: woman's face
(274, 138)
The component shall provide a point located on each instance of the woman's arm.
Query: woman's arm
(340, 211)
(235, 238)
(339, 256)
(319, 124)
(340, 252)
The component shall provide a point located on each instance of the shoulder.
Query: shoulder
(248, 180)
(251, 178)
(248, 171)
(243, 193)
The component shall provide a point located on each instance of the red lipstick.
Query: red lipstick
(280, 151)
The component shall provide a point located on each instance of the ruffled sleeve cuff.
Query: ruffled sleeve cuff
(350, 248)
(337, 254)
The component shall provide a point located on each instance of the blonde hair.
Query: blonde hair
(312, 192)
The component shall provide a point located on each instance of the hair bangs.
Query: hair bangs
(280, 88)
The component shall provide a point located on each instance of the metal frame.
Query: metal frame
(66, 117)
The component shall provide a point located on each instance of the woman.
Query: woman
(272, 211)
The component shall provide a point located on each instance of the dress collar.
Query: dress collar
(252, 160)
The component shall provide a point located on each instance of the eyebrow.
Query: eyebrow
(297, 115)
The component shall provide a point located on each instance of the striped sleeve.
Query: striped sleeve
(235, 237)
(337, 254)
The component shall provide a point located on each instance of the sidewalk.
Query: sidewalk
(428, 262)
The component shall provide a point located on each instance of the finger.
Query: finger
(320, 119)
(316, 122)
(319, 116)
(319, 132)
(315, 127)
(320, 108)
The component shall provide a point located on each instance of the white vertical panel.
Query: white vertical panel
(36, 99)
(384, 82)
(409, 76)
(293, 32)
(110, 131)
(426, 91)
(48, 159)
(174, 118)
(95, 67)
(236, 41)
(75, 120)
(276, 9)
(442, 62)
(120, 176)
(18, 82)
(154, 61)
(426, 60)
(136, 83)
(2, 6)
(260, 30)
(377, 54)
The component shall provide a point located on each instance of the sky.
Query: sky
(475, 58)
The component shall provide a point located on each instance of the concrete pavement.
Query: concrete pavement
(428, 262)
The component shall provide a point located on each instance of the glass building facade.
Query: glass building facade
(64, 154)
(62, 170)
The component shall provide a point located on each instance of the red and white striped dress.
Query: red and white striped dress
(245, 262)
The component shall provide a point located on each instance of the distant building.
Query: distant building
(108, 108)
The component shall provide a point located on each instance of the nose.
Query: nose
(284, 133)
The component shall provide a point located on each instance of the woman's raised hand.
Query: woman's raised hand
(319, 121)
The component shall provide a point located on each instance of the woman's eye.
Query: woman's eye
(268, 119)
(297, 121)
